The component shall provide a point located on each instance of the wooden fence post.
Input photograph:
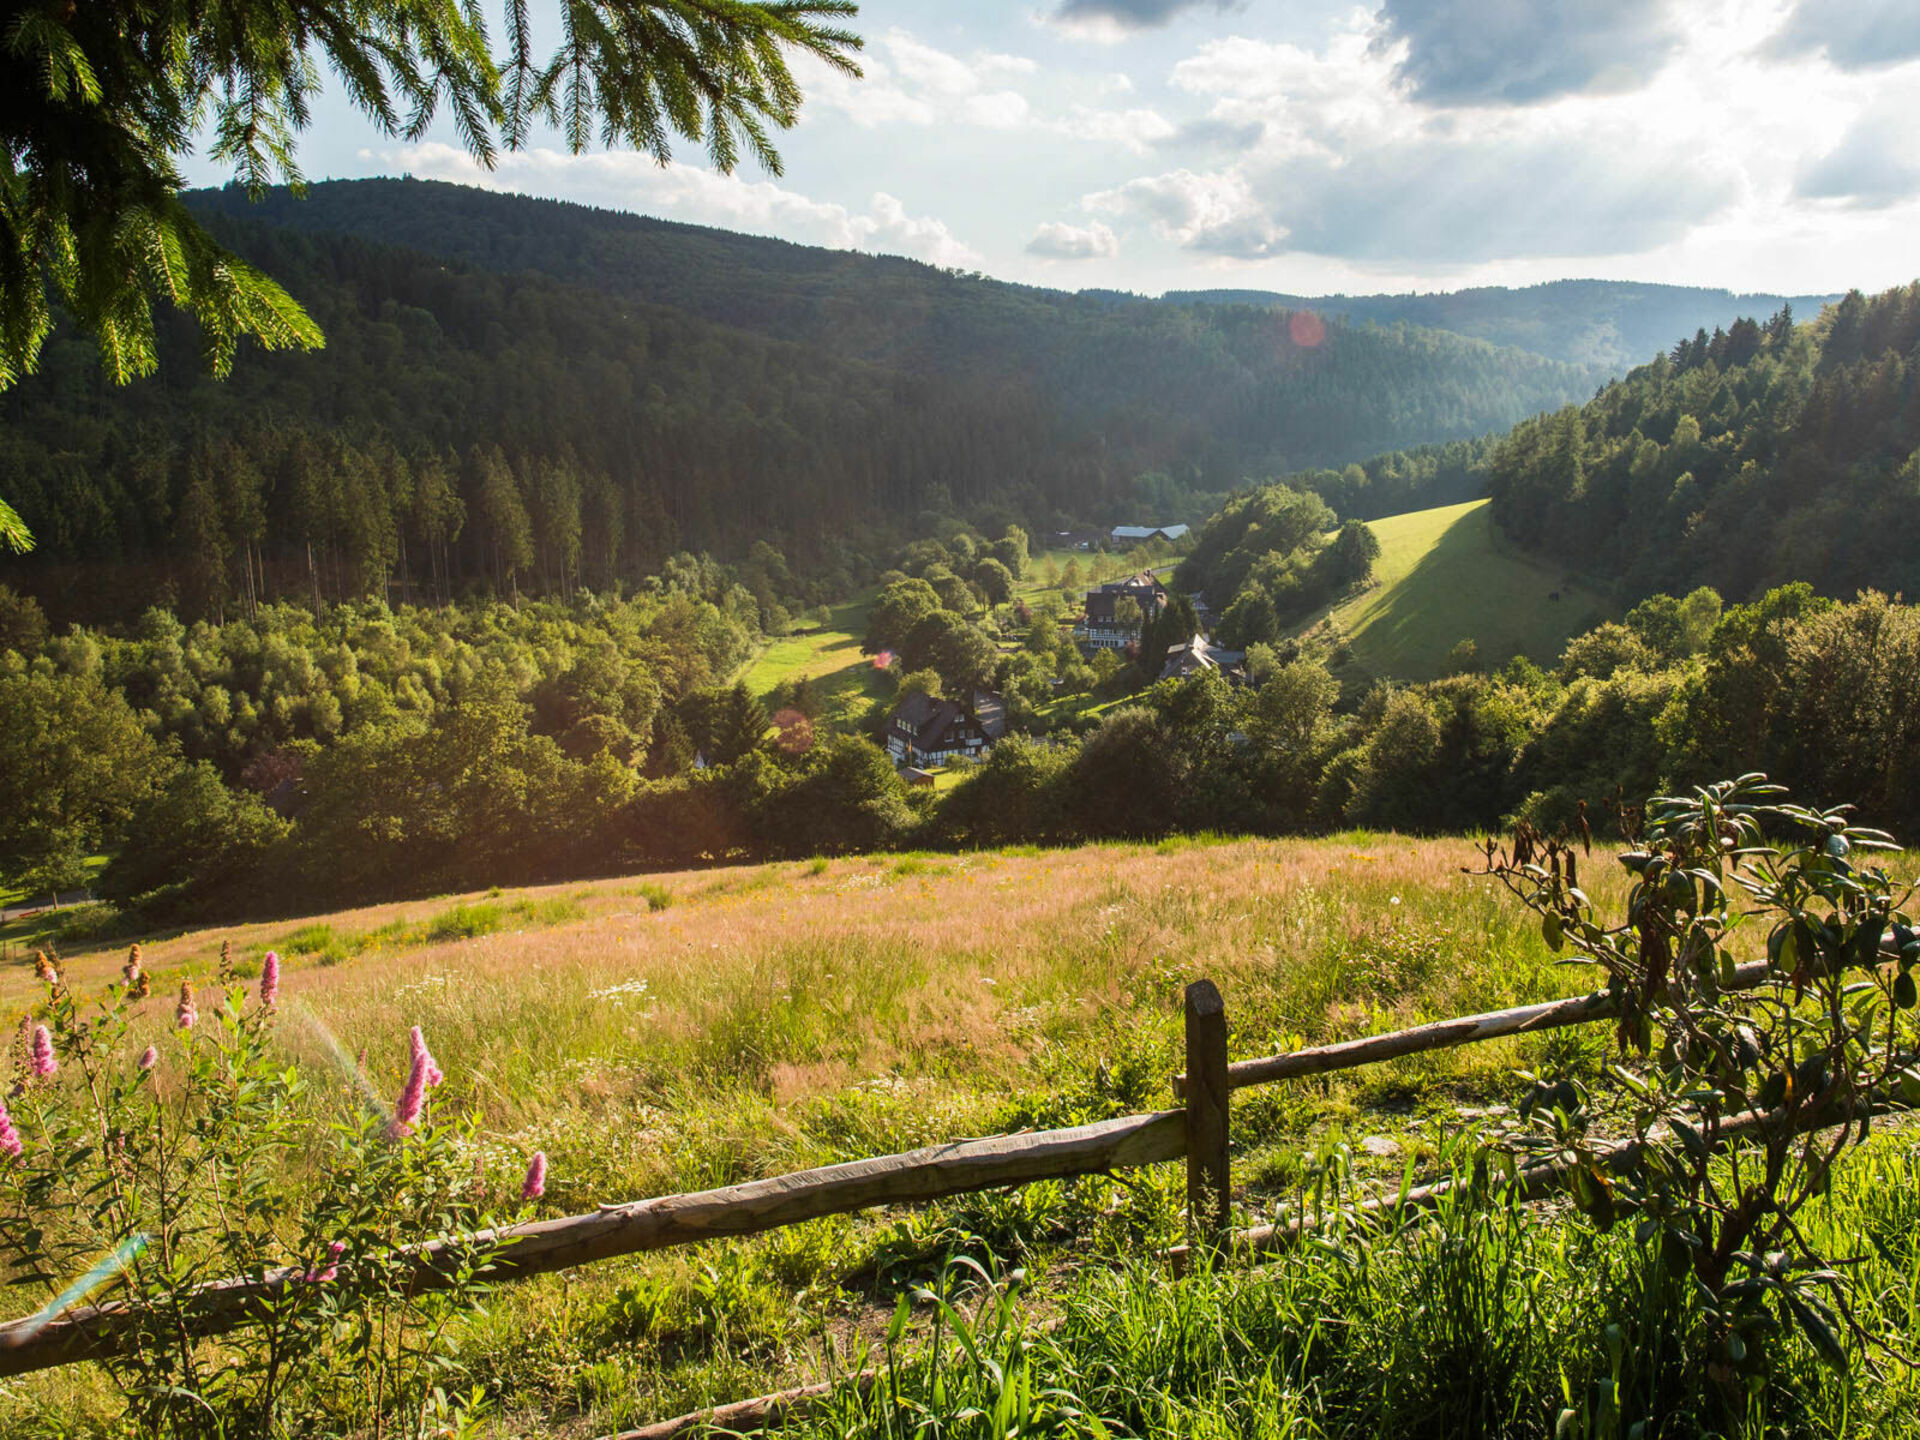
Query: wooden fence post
(1209, 1180)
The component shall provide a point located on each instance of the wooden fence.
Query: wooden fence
(1199, 1132)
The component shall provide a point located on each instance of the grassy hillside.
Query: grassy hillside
(1446, 575)
(828, 657)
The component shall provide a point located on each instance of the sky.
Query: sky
(1306, 147)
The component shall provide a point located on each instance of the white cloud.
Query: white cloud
(994, 64)
(929, 68)
(872, 102)
(1212, 212)
(1388, 144)
(1852, 34)
(626, 180)
(1137, 130)
(1001, 110)
(1055, 241)
(1873, 165)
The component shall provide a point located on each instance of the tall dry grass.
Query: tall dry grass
(680, 1031)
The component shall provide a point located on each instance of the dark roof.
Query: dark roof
(990, 710)
(917, 709)
(1145, 591)
(933, 720)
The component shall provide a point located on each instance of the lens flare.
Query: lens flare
(110, 1265)
(371, 1098)
(1306, 329)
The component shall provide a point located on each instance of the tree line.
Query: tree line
(375, 753)
(1748, 458)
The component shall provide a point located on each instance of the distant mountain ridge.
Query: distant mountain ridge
(1615, 324)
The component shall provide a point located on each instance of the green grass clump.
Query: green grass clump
(1486, 1318)
(466, 922)
(658, 897)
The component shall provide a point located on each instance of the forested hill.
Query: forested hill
(1743, 460)
(1610, 323)
(1228, 391)
(519, 410)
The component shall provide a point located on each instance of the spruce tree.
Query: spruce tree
(103, 100)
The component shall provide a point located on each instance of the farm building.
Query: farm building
(923, 732)
(1104, 626)
(1199, 655)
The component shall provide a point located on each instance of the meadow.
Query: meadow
(676, 1032)
(1445, 575)
(828, 657)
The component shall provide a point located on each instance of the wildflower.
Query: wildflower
(184, 1014)
(535, 1185)
(226, 962)
(138, 985)
(270, 979)
(43, 1062)
(149, 1057)
(43, 969)
(413, 1099)
(9, 1137)
(423, 1057)
(320, 1275)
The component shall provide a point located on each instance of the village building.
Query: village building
(1199, 655)
(1124, 536)
(1105, 625)
(924, 732)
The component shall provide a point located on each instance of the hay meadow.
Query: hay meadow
(676, 1032)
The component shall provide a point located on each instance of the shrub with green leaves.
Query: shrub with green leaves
(1744, 1084)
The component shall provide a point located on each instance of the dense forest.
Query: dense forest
(1752, 457)
(526, 415)
(1611, 323)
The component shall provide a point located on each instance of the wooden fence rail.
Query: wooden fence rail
(1199, 1132)
(1440, 1035)
(547, 1245)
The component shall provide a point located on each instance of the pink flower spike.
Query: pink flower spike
(10, 1146)
(270, 979)
(149, 1057)
(413, 1099)
(320, 1276)
(43, 1061)
(185, 1014)
(535, 1184)
(421, 1055)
